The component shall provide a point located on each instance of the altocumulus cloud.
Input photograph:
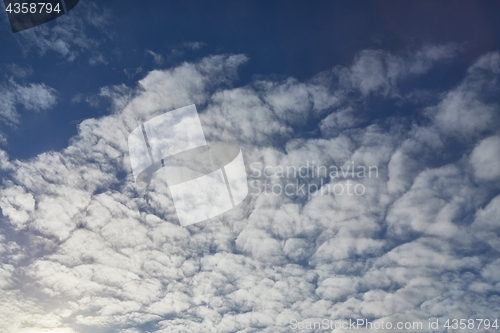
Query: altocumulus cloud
(85, 250)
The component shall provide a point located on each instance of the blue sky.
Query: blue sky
(409, 88)
(282, 39)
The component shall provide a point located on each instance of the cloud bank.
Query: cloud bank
(85, 250)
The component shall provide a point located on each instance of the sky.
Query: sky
(407, 90)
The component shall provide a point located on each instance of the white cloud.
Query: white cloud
(156, 57)
(486, 225)
(485, 159)
(36, 97)
(70, 37)
(379, 72)
(464, 112)
(32, 96)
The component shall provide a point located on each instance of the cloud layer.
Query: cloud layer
(85, 250)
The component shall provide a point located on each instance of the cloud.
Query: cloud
(180, 50)
(32, 96)
(194, 45)
(101, 254)
(69, 37)
(467, 109)
(380, 72)
(485, 225)
(36, 97)
(156, 57)
(485, 159)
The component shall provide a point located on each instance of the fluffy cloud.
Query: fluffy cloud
(102, 255)
(485, 159)
(467, 110)
(380, 72)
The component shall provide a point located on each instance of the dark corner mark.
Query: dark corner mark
(26, 14)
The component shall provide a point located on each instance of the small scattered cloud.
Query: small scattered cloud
(158, 59)
(180, 50)
(35, 96)
(194, 45)
(133, 72)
